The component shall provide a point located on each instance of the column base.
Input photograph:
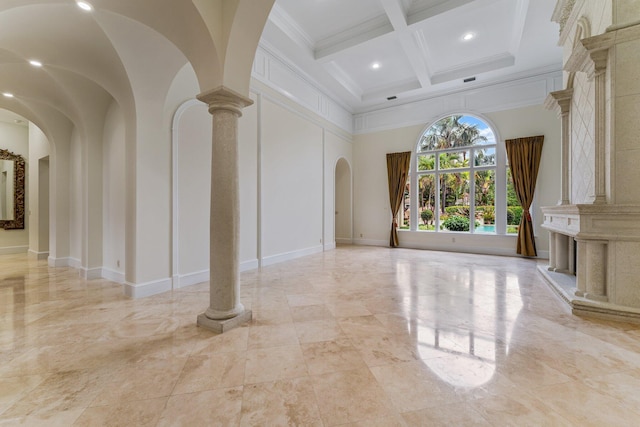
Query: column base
(594, 297)
(222, 326)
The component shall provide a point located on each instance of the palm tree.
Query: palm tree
(446, 133)
(450, 133)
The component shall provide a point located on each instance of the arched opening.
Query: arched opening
(343, 212)
(460, 180)
(30, 201)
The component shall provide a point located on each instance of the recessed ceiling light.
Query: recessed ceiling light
(375, 65)
(35, 63)
(468, 36)
(7, 95)
(84, 6)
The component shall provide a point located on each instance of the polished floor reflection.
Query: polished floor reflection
(357, 336)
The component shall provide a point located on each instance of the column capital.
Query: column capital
(559, 101)
(222, 98)
(590, 56)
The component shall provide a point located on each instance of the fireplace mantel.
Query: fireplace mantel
(591, 257)
(594, 231)
(594, 221)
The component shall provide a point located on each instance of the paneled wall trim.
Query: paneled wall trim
(291, 82)
(525, 92)
(295, 85)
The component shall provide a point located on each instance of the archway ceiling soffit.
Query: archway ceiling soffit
(62, 37)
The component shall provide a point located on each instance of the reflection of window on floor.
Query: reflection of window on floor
(455, 175)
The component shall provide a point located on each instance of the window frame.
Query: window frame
(500, 168)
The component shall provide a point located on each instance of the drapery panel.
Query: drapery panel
(397, 172)
(524, 161)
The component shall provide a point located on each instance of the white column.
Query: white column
(225, 309)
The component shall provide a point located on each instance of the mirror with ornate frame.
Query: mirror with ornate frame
(12, 176)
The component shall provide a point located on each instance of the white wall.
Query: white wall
(287, 158)
(113, 193)
(336, 147)
(292, 179)
(193, 191)
(15, 138)
(75, 200)
(39, 149)
(249, 168)
(372, 215)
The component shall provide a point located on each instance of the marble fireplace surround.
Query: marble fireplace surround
(597, 276)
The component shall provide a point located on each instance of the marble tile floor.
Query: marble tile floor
(359, 336)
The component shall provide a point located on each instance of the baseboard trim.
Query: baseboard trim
(485, 250)
(74, 262)
(38, 255)
(251, 264)
(369, 242)
(114, 276)
(58, 262)
(141, 290)
(287, 256)
(189, 279)
(91, 273)
(330, 246)
(13, 250)
(344, 241)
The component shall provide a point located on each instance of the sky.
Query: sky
(485, 130)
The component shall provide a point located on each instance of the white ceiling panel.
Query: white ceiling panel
(493, 26)
(418, 44)
(394, 67)
(321, 19)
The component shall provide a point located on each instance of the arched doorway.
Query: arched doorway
(343, 212)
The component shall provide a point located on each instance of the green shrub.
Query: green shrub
(514, 214)
(456, 223)
(426, 227)
(488, 214)
(457, 210)
(426, 215)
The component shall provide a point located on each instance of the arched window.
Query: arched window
(460, 180)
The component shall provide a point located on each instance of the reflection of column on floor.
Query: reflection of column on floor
(225, 310)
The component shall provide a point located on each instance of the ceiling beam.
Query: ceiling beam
(422, 14)
(368, 31)
(398, 18)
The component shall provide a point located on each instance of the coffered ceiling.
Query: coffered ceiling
(362, 52)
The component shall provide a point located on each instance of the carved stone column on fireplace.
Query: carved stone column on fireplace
(591, 56)
(581, 269)
(562, 253)
(596, 270)
(560, 101)
(552, 251)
